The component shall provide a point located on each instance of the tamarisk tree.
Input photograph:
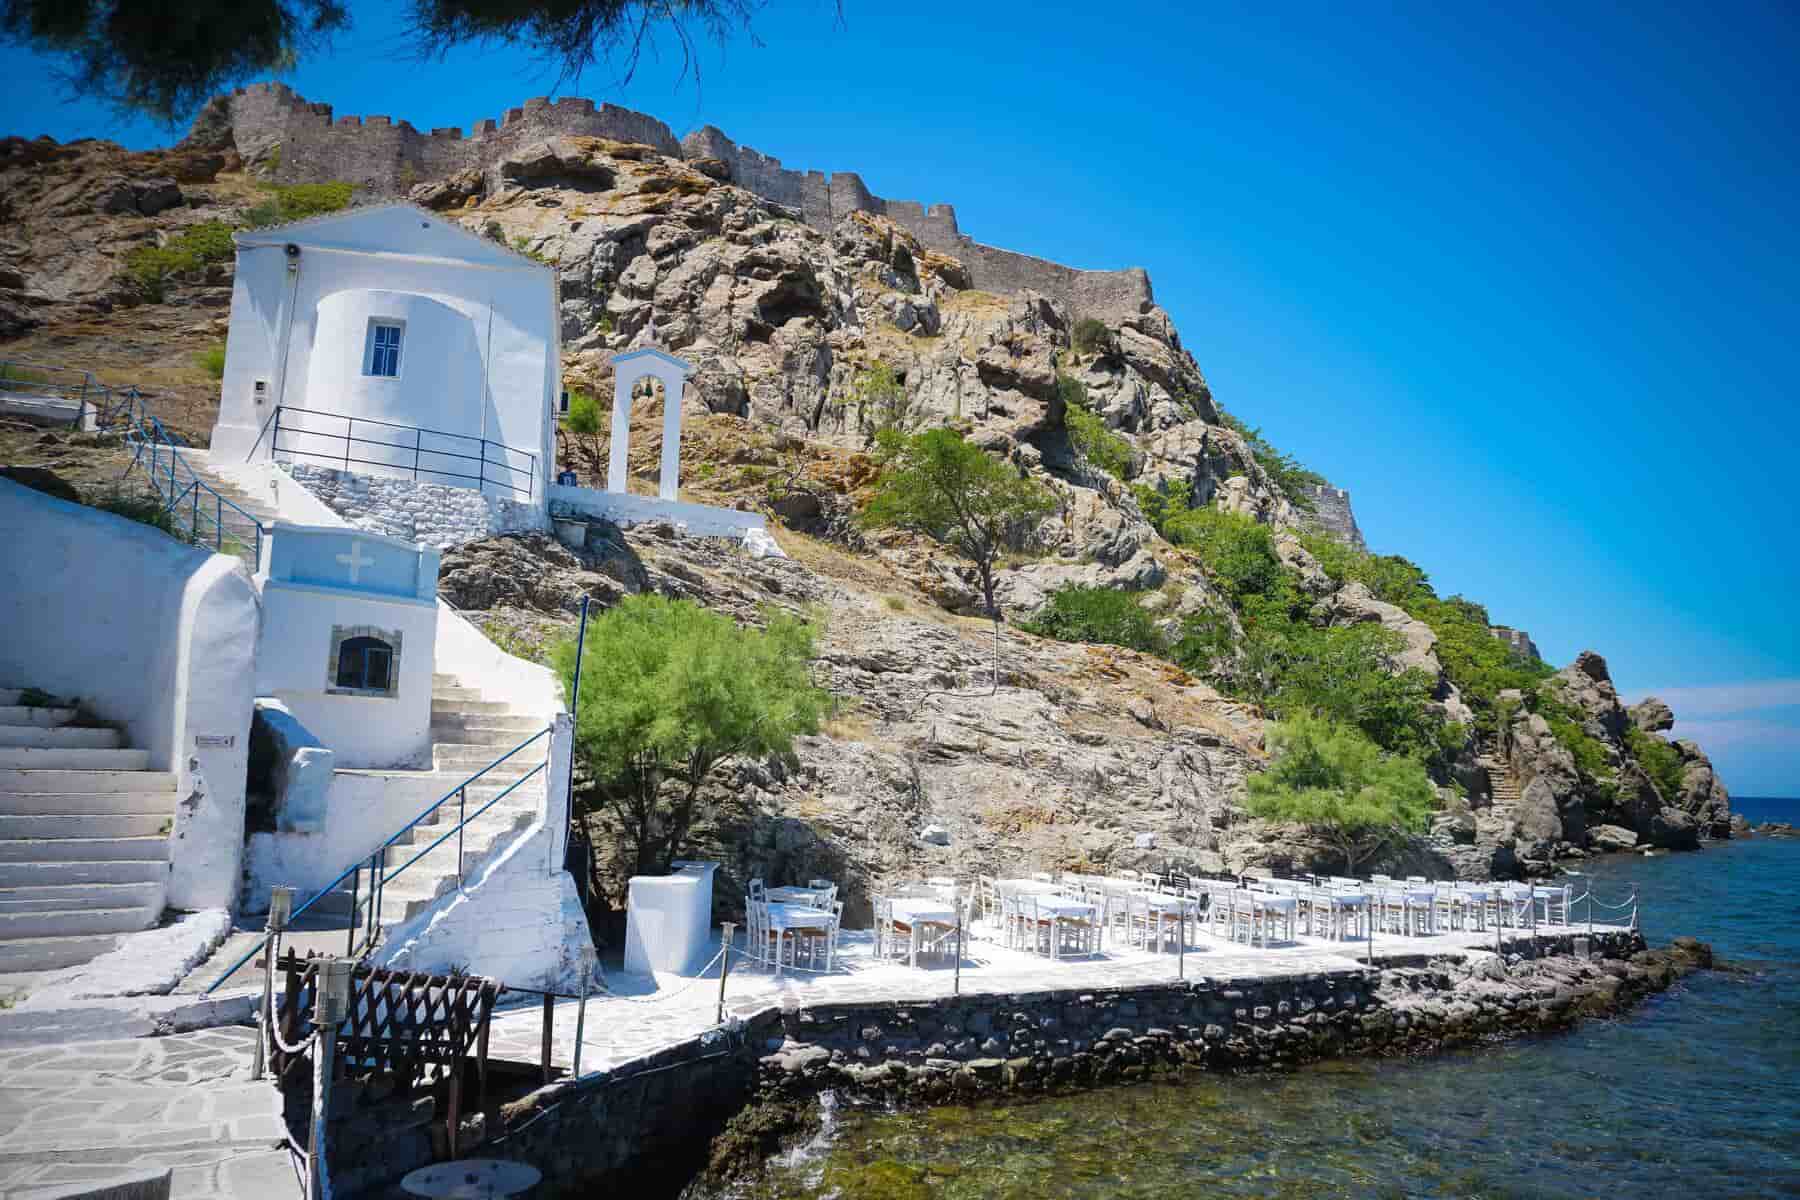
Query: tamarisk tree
(669, 691)
(1336, 782)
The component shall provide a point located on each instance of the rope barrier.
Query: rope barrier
(274, 1033)
(660, 997)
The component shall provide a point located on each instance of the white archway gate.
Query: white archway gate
(672, 373)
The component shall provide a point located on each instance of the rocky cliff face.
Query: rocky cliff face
(1075, 755)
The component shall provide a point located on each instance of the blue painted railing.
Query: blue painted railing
(364, 931)
(202, 516)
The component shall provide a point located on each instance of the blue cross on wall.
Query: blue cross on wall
(352, 560)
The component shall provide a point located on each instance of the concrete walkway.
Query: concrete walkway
(641, 1015)
(91, 1111)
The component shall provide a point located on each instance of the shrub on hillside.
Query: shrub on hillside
(1091, 336)
(148, 269)
(1238, 552)
(1661, 761)
(297, 201)
(1088, 432)
(212, 361)
(1097, 614)
(1285, 472)
(142, 507)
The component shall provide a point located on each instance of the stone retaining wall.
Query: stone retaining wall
(432, 514)
(981, 1045)
(743, 1090)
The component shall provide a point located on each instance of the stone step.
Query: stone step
(468, 708)
(59, 736)
(74, 871)
(483, 829)
(53, 953)
(442, 861)
(42, 718)
(85, 825)
(67, 782)
(90, 804)
(506, 736)
(53, 897)
(439, 679)
(464, 759)
(73, 922)
(454, 693)
(24, 850)
(40, 758)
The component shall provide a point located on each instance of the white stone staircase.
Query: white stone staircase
(84, 836)
(468, 733)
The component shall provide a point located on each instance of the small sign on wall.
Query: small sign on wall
(214, 741)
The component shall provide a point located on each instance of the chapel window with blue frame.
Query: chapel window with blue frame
(382, 357)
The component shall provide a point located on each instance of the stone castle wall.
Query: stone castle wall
(386, 157)
(1331, 514)
(1518, 639)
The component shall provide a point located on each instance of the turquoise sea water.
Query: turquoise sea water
(1694, 1094)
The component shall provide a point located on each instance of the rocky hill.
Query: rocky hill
(811, 327)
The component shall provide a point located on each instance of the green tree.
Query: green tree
(586, 421)
(952, 491)
(166, 57)
(670, 690)
(1336, 782)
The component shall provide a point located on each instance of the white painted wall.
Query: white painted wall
(479, 357)
(361, 812)
(518, 918)
(625, 510)
(293, 664)
(149, 633)
(465, 652)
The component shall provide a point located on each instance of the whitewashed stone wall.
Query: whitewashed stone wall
(431, 514)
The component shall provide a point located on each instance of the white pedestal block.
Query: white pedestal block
(668, 919)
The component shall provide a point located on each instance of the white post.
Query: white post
(616, 479)
(670, 479)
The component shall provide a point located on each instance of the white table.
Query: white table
(668, 919)
(786, 918)
(797, 895)
(914, 912)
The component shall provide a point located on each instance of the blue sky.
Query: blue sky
(1524, 280)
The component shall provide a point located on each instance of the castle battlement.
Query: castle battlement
(386, 157)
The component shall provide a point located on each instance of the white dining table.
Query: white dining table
(914, 912)
(797, 895)
(801, 916)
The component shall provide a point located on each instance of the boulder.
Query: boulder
(1587, 685)
(1673, 829)
(1537, 823)
(1612, 838)
(1652, 715)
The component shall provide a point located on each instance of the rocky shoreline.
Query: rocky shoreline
(979, 1049)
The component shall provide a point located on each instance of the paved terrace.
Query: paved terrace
(642, 1015)
(86, 1111)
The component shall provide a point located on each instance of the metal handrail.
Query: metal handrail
(148, 433)
(374, 862)
(420, 451)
